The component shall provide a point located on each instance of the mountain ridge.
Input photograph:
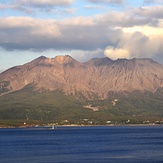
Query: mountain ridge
(98, 76)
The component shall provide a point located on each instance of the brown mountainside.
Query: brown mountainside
(95, 77)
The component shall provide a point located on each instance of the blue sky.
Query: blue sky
(84, 29)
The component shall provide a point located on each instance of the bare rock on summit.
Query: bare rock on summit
(96, 77)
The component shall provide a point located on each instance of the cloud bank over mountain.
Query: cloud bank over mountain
(128, 33)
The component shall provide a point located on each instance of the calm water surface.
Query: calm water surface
(113, 144)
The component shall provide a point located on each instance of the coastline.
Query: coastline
(48, 126)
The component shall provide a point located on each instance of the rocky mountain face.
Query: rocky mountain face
(96, 77)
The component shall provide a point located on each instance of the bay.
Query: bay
(93, 144)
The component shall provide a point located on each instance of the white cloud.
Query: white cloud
(78, 33)
(44, 3)
(108, 1)
(134, 33)
(146, 30)
(16, 7)
(115, 53)
(153, 1)
(33, 6)
(86, 55)
(136, 45)
(154, 12)
(98, 7)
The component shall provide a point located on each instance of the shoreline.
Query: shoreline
(48, 126)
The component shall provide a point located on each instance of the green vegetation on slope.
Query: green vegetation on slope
(3, 86)
(50, 107)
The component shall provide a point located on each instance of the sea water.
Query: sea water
(102, 144)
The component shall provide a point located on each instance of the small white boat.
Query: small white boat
(53, 127)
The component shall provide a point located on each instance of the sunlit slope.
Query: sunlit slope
(95, 78)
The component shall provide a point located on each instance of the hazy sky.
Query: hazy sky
(84, 29)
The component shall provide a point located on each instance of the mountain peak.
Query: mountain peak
(98, 76)
(40, 58)
(100, 61)
(64, 59)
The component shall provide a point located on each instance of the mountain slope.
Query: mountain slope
(95, 78)
(63, 90)
(27, 105)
